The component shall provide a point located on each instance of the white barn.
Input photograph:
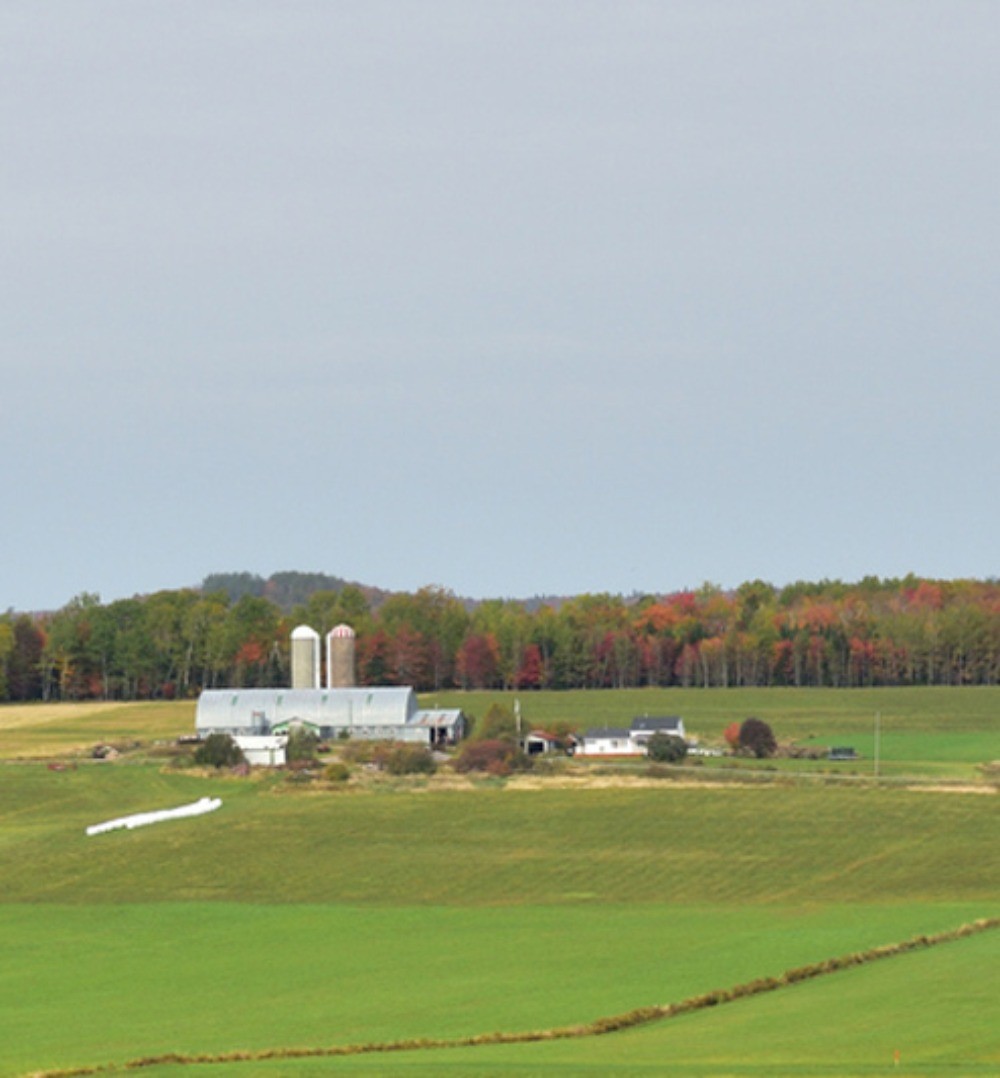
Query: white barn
(370, 714)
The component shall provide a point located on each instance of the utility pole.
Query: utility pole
(878, 739)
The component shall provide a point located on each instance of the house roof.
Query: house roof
(652, 724)
(604, 732)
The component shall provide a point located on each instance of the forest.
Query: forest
(234, 630)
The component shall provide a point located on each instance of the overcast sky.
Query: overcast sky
(511, 298)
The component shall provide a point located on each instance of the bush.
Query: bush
(757, 738)
(666, 749)
(219, 750)
(396, 757)
(732, 735)
(410, 759)
(493, 756)
(302, 745)
(336, 772)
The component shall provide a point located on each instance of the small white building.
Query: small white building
(634, 741)
(607, 741)
(262, 751)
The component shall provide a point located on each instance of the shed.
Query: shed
(540, 743)
(262, 751)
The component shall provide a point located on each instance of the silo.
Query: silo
(340, 658)
(305, 658)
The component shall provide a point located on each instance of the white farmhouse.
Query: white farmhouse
(607, 741)
(634, 741)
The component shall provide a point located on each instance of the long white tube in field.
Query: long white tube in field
(141, 819)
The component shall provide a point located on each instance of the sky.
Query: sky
(538, 297)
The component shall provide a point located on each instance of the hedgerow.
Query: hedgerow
(598, 1027)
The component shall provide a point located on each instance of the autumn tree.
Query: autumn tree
(757, 738)
(731, 734)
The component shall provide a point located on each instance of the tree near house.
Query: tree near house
(219, 750)
(665, 748)
(757, 738)
(731, 734)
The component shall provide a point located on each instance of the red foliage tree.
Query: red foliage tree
(529, 674)
(477, 665)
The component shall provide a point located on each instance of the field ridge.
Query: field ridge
(597, 1027)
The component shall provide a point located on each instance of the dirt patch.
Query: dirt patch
(957, 788)
(608, 782)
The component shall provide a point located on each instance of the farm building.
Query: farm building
(340, 710)
(263, 751)
(369, 714)
(607, 741)
(643, 728)
(540, 743)
(634, 741)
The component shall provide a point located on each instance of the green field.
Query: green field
(924, 732)
(313, 917)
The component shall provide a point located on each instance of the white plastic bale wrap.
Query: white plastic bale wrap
(143, 819)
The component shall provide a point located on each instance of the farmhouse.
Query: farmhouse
(644, 728)
(634, 741)
(607, 741)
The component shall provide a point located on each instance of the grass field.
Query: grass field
(298, 916)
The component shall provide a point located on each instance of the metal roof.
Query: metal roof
(605, 732)
(440, 717)
(260, 709)
(664, 722)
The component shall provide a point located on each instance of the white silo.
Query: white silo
(340, 658)
(305, 658)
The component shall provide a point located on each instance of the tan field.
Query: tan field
(66, 729)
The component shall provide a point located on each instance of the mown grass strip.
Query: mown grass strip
(610, 1024)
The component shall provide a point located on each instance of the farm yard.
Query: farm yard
(309, 915)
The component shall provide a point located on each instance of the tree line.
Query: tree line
(172, 644)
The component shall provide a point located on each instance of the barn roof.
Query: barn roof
(439, 717)
(264, 708)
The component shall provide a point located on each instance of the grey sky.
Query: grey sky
(511, 298)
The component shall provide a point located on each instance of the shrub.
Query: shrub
(336, 772)
(219, 750)
(757, 738)
(301, 746)
(666, 749)
(410, 759)
(493, 756)
(732, 735)
(396, 757)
